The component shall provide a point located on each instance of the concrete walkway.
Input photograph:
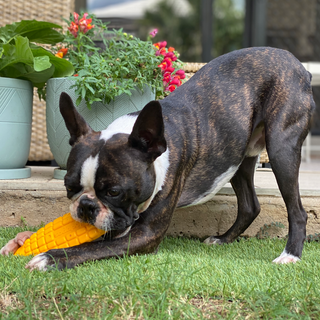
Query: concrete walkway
(265, 182)
(41, 199)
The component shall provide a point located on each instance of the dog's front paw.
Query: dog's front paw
(52, 259)
(39, 262)
(286, 258)
(213, 241)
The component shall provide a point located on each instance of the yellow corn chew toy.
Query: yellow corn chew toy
(63, 232)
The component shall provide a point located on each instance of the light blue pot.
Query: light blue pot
(15, 127)
(99, 117)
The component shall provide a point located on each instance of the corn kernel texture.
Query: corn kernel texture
(63, 232)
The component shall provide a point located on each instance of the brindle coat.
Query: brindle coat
(214, 125)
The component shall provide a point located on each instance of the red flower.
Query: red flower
(165, 64)
(176, 81)
(171, 88)
(171, 56)
(85, 24)
(166, 78)
(170, 81)
(76, 18)
(161, 51)
(181, 74)
(61, 53)
(74, 28)
(163, 44)
(169, 69)
(153, 33)
(160, 45)
(64, 51)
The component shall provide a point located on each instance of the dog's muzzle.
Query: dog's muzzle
(88, 209)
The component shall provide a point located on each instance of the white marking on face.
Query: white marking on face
(88, 172)
(123, 124)
(88, 176)
(218, 183)
(105, 218)
(286, 257)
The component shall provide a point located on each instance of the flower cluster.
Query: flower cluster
(84, 24)
(120, 63)
(125, 62)
(171, 77)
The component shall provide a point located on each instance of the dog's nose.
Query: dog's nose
(87, 209)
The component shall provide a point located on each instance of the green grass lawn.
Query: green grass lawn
(184, 280)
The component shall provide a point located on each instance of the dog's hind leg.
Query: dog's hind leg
(248, 205)
(284, 150)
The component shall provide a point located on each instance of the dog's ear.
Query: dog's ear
(148, 131)
(75, 124)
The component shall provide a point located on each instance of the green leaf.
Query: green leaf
(79, 99)
(45, 36)
(83, 93)
(90, 88)
(36, 65)
(23, 51)
(33, 30)
(23, 71)
(41, 63)
(25, 26)
(62, 67)
(40, 78)
(20, 52)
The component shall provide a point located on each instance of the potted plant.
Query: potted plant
(116, 78)
(23, 65)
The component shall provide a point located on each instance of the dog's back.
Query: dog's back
(230, 106)
(231, 109)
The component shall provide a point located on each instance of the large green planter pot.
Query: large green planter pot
(99, 117)
(16, 98)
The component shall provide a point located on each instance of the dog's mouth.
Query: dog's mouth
(102, 216)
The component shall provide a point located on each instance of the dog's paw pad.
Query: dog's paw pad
(212, 241)
(39, 262)
(286, 258)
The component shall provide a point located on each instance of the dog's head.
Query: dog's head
(111, 175)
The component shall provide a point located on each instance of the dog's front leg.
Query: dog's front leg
(138, 241)
(144, 237)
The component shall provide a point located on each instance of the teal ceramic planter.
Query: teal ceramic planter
(16, 97)
(99, 117)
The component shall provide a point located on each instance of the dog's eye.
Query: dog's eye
(113, 192)
(73, 190)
